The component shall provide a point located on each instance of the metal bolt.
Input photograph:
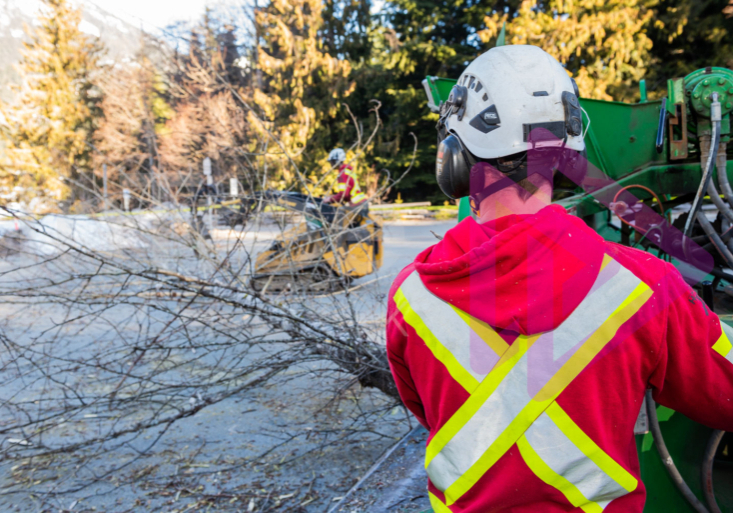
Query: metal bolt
(721, 81)
(730, 91)
(706, 82)
(696, 95)
(728, 105)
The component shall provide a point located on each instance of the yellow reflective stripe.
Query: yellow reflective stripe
(445, 325)
(552, 478)
(456, 370)
(437, 504)
(340, 187)
(483, 330)
(606, 260)
(723, 346)
(591, 449)
(500, 446)
(506, 363)
(602, 336)
(575, 364)
(641, 290)
(558, 452)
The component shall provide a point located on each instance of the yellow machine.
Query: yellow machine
(331, 247)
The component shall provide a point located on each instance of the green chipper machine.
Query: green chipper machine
(654, 163)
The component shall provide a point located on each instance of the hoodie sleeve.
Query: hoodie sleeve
(694, 374)
(396, 348)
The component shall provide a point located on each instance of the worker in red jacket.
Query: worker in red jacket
(346, 188)
(523, 341)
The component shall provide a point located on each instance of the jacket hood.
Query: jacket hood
(520, 273)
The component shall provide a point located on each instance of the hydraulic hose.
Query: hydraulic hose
(723, 174)
(708, 168)
(715, 239)
(721, 204)
(707, 470)
(666, 458)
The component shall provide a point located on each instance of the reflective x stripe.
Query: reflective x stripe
(507, 402)
(438, 506)
(564, 457)
(502, 409)
(723, 345)
(446, 331)
(340, 187)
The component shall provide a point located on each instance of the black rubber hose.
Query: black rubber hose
(719, 202)
(723, 176)
(664, 455)
(707, 470)
(715, 239)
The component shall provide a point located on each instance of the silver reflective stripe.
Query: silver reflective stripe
(518, 388)
(565, 459)
(482, 429)
(448, 327)
(611, 283)
(728, 331)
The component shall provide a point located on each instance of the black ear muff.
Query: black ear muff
(452, 169)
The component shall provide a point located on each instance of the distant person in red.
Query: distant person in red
(346, 190)
(523, 341)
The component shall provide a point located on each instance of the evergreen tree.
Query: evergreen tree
(603, 44)
(688, 35)
(302, 85)
(347, 29)
(412, 39)
(48, 131)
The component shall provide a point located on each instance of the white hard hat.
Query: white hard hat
(510, 91)
(337, 155)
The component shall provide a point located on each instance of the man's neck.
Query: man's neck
(508, 202)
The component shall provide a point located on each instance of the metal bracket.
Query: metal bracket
(678, 147)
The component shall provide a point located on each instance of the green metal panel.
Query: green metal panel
(622, 136)
(464, 209)
(439, 89)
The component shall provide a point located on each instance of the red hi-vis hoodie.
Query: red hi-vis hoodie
(525, 346)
